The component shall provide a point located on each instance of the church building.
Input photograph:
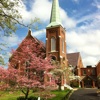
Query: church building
(56, 47)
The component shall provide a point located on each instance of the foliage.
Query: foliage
(61, 72)
(30, 67)
(74, 83)
(7, 76)
(9, 15)
(1, 60)
(57, 73)
(98, 81)
(10, 19)
(30, 98)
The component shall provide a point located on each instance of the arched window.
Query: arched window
(53, 58)
(53, 44)
(62, 45)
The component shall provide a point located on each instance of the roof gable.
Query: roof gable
(98, 64)
(34, 39)
(73, 58)
(89, 77)
(29, 37)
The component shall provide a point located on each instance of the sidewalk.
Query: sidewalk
(84, 94)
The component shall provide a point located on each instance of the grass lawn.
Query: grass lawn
(7, 95)
(59, 94)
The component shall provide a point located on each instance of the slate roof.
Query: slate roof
(73, 58)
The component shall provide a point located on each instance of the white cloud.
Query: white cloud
(42, 10)
(76, 1)
(67, 21)
(96, 3)
(86, 37)
(39, 33)
(90, 61)
(38, 9)
(87, 43)
(83, 39)
(11, 40)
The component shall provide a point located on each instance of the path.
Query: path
(84, 94)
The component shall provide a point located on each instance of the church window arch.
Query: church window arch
(53, 44)
(53, 58)
(62, 45)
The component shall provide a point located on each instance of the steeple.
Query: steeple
(56, 40)
(55, 14)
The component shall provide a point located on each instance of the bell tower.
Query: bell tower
(56, 36)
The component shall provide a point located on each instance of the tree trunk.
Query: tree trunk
(27, 93)
(59, 87)
(59, 83)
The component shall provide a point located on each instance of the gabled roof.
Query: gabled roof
(73, 58)
(98, 63)
(29, 36)
(34, 39)
(94, 78)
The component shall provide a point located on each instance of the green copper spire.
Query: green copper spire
(55, 14)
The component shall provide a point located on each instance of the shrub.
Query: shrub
(30, 98)
(20, 98)
(74, 83)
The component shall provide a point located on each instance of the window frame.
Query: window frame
(53, 44)
(84, 72)
(63, 45)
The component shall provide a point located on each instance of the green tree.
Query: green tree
(9, 15)
(10, 18)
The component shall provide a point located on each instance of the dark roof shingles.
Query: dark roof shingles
(73, 58)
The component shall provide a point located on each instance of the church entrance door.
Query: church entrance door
(88, 83)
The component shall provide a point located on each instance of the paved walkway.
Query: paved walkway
(84, 94)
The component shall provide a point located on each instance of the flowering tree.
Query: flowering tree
(62, 74)
(30, 64)
(3, 76)
(7, 78)
(11, 18)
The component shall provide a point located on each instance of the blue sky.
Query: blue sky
(81, 18)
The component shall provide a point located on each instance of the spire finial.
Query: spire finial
(55, 14)
(29, 32)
